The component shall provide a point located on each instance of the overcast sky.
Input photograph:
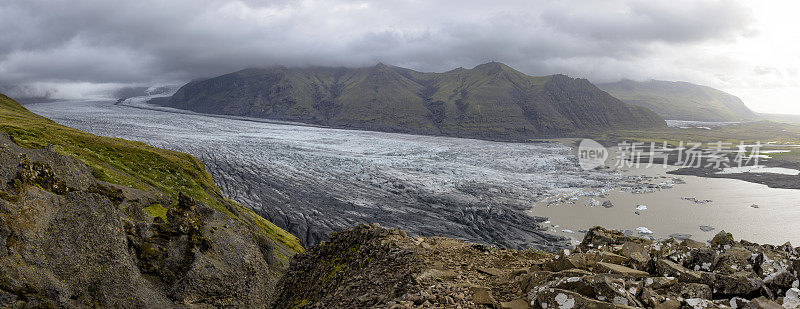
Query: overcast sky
(75, 47)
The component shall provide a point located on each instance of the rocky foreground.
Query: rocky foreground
(68, 240)
(373, 267)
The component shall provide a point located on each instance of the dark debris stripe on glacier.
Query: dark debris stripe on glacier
(313, 181)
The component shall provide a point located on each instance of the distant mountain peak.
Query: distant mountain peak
(559, 76)
(456, 70)
(494, 67)
(383, 72)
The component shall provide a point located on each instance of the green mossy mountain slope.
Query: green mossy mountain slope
(490, 101)
(131, 164)
(90, 221)
(681, 100)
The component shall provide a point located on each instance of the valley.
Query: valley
(399, 154)
(312, 181)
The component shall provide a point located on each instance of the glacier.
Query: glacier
(312, 181)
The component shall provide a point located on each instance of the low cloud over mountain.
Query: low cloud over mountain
(112, 43)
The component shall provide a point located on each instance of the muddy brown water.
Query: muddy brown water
(775, 220)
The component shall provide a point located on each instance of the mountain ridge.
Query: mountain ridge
(679, 100)
(489, 101)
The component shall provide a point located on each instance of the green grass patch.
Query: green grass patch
(301, 304)
(157, 211)
(132, 164)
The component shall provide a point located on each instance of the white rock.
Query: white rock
(699, 303)
(792, 298)
(564, 301)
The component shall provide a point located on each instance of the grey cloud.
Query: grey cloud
(148, 40)
(677, 21)
(766, 70)
(27, 91)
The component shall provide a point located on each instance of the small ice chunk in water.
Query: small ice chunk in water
(706, 228)
(641, 207)
(644, 231)
(680, 236)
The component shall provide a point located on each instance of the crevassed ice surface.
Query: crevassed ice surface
(312, 181)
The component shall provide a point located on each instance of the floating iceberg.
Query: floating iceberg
(644, 231)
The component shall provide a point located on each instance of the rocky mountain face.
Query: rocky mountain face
(681, 100)
(490, 101)
(372, 267)
(70, 239)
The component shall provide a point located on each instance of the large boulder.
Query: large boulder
(566, 261)
(668, 268)
(535, 278)
(762, 303)
(600, 287)
(691, 290)
(735, 259)
(740, 283)
(782, 280)
(722, 240)
(702, 258)
(594, 256)
(599, 238)
(657, 283)
(564, 299)
(638, 254)
(608, 268)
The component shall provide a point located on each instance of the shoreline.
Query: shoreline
(677, 205)
(772, 180)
